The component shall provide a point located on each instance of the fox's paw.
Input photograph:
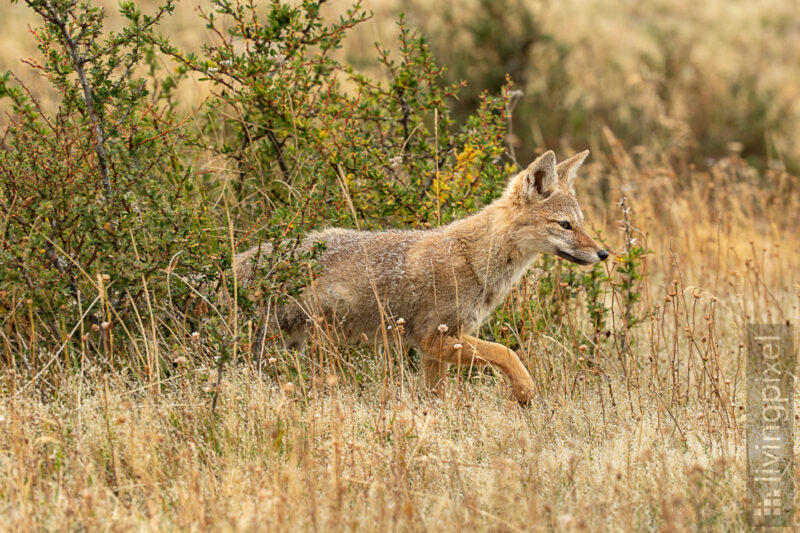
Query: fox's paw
(438, 390)
(524, 393)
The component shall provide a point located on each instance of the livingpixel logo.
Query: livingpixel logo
(771, 368)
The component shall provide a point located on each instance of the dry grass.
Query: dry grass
(642, 439)
(339, 459)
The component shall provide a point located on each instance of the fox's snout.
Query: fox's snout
(582, 256)
(580, 248)
(599, 253)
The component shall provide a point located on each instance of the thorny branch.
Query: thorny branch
(79, 61)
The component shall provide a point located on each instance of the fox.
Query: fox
(438, 285)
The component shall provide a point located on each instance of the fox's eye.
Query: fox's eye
(564, 224)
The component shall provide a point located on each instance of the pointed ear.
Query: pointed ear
(568, 169)
(539, 180)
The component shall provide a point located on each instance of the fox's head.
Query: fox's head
(543, 213)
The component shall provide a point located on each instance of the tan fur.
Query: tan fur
(442, 282)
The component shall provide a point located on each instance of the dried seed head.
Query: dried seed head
(105, 324)
(457, 346)
(288, 388)
(272, 360)
(332, 380)
(195, 335)
(442, 328)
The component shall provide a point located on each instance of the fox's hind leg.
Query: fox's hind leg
(434, 370)
(281, 330)
(467, 350)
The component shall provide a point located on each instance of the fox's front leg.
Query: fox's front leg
(434, 370)
(469, 350)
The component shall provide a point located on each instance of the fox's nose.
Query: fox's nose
(602, 254)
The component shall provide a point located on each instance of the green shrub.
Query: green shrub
(98, 209)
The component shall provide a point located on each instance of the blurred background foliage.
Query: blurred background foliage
(697, 80)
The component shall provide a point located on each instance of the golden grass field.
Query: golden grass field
(646, 438)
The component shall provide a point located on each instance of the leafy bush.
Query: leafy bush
(98, 209)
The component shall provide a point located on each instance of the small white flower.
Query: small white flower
(401, 321)
(457, 346)
(195, 335)
(272, 360)
(442, 328)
